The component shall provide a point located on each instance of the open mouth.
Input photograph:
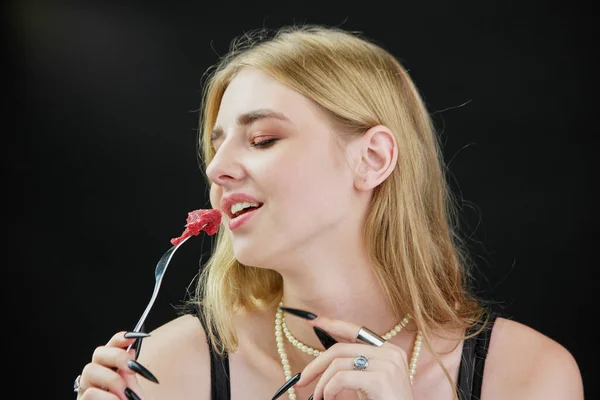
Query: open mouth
(243, 208)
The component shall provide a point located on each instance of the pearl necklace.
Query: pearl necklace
(282, 330)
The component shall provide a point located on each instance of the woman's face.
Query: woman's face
(277, 153)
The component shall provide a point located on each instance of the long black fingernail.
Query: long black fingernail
(131, 395)
(326, 340)
(136, 335)
(140, 369)
(311, 397)
(299, 313)
(291, 382)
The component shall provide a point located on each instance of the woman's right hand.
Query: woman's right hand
(112, 373)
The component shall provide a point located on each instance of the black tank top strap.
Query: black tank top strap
(474, 353)
(220, 385)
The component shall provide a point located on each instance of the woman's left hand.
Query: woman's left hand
(385, 377)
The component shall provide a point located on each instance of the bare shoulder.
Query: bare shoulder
(523, 363)
(177, 354)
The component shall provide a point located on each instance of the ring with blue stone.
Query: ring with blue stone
(360, 363)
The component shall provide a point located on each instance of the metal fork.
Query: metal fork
(159, 272)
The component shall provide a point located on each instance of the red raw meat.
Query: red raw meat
(200, 220)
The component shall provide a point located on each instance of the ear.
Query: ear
(377, 155)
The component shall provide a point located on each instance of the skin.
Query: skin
(316, 192)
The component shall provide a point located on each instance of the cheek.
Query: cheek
(314, 180)
(215, 195)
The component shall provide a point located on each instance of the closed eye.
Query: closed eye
(263, 142)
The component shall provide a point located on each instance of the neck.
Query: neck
(353, 295)
(332, 274)
(340, 285)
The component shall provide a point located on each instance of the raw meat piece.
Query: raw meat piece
(200, 220)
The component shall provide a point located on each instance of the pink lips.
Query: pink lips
(236, 222)
(229, 200)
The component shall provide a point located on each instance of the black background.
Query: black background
(102, 165)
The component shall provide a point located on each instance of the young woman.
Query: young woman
(337, 227)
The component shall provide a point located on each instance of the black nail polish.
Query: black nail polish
(291, 382)
(131, 395)
(140, 369)
(299, 313)
(311, 397)
(136, 335)
(326, 340)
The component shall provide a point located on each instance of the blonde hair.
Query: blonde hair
(410, 229)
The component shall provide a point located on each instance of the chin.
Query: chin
(262, 251)
(248, 255)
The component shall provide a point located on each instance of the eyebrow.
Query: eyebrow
(248, 118)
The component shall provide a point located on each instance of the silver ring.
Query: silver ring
(360, 363)
(76, 384)
(369, 337)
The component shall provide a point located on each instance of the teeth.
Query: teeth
(237, 207)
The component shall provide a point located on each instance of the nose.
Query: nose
(226, 166)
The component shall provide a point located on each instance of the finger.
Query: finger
(373, 384)
(96, 376)
(123, 339)
(98, 394)
(120, 359)
(339, 350)
(384, 368)
(338, 328)
(337, 365)
(112, 357)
